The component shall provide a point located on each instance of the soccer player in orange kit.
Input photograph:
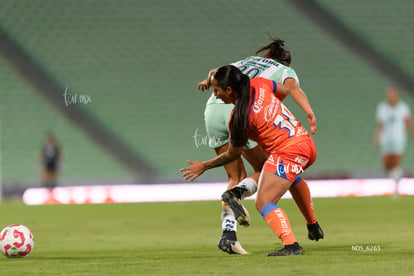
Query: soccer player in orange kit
(259, 115)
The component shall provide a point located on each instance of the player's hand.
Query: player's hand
(195, 170)
(312, 123)
(203, 85)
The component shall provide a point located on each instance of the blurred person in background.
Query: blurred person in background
(393, 120)
(50, 161)
(274, 65)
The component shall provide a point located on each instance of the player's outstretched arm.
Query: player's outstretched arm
(197, 168)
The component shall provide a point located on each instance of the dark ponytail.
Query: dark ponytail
(276, 50)
(231, 76)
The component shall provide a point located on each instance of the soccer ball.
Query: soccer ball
(16, 240)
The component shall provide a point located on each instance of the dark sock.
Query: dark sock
(231, 235)
(237, 192)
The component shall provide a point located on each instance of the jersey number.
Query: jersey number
(252, 72)
(286, 121)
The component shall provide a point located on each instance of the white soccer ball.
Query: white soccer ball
(16, 240)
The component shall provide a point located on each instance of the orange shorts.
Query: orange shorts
(292, 161)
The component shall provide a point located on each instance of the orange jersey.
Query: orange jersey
(271, 124)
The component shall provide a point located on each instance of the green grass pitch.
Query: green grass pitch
(363, 236)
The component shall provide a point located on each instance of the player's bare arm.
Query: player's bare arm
(410, 127)
(197, 168)
(205, 84)
(302, 100)
(378, 130)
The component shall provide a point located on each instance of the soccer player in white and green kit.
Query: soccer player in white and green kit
(275, 65)
(393, 121)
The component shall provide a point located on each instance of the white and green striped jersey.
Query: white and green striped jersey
(256, 66)
(394, 120)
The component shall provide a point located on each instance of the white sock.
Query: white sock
(396, 175)
(249, 185)
(228, 221)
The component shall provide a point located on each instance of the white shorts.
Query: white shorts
(216, 118)
(389, 146)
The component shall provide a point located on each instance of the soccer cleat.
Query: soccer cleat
(240, 213)
(231, 246)
(288, 250)
(315, 231)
